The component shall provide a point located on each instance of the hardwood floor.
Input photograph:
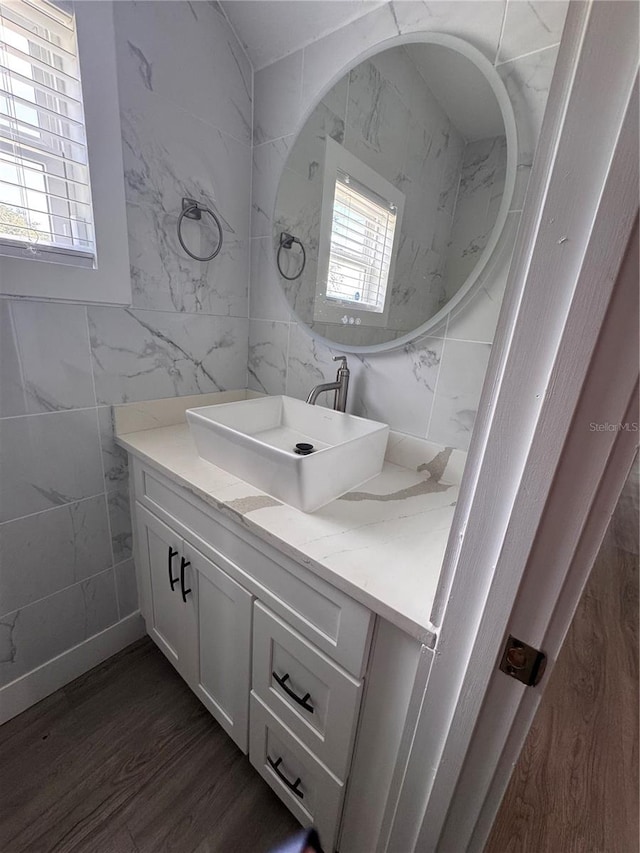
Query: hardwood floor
(575, 786)
(126, 760)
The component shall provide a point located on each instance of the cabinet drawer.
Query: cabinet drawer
(333, 621)
(307, 691)
(304, 785)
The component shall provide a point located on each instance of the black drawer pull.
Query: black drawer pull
(292, 786)
(183, 565)
(173, 581)
(305, 699)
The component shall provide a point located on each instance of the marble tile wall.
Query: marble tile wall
(480, 194)
(66, 568)
(432, 387)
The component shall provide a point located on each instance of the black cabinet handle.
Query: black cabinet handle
(305, 699)
(183, 565)
(173, 581)
(292, 786)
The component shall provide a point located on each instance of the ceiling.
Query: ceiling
(271, 29)
(463, 93)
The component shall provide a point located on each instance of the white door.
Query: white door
(543, 471)
(222, 679)
(172, 586)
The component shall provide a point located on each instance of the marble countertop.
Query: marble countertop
(383, 544)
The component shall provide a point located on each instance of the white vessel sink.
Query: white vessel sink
(256, 441)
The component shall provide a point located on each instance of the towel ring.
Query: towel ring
(194, 210)
(286, 242)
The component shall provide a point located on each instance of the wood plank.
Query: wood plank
(126, 759)
(575, 786)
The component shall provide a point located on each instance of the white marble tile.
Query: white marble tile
(120, 524)
(114, 459)
(48, 460)
(477, 21)
(268, 163)
(307, 153)
(396, 67)
(164, 278)
(457, 396)
(327, 59)
(277, 99)
(34, 634)
(397, 387)
(377, 122)
(144, 355)
(31, 380)
(134, 417)
(527, 81)
(476, 318)
(46, 552)
(270, 31)
(530, 26)
(169, 155)
(267, 300)
(309, 363)
(335, 99)
(185, 52)
(268, 348)
(126, 588)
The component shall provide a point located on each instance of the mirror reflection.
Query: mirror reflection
(390, 194)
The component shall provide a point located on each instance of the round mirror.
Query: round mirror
(394, 194)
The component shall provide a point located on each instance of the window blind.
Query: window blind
(362, 233)
(45, 195)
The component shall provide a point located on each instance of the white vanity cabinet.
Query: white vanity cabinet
(275, 653)
(200, 618)
(171, 621)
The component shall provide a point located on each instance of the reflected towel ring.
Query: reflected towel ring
(194, 210)
(286, 242)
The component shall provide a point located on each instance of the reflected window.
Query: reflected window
(359, 232)
(362, 234)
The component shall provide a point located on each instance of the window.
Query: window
(361, 242)
(360, 224)
(63, 228)
(45, 198)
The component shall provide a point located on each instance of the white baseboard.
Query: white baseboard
(30, 688)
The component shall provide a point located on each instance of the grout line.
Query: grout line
(100, 451)
(326, 33)
(56, 412)
(500, 37)
(526, 55)
(435, 387)
(115, 592)
(470, 341)
(52, 508)
(275, 139)
(286, 365)
(237, 37)
(57, 592)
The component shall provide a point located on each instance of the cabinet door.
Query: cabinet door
(172, 591)
(223, 679)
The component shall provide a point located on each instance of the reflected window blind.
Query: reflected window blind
(45, 196)
(362, 233)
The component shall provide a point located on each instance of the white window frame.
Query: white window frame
(110, 281)
(329, 310)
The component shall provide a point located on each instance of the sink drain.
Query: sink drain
(303, 449)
